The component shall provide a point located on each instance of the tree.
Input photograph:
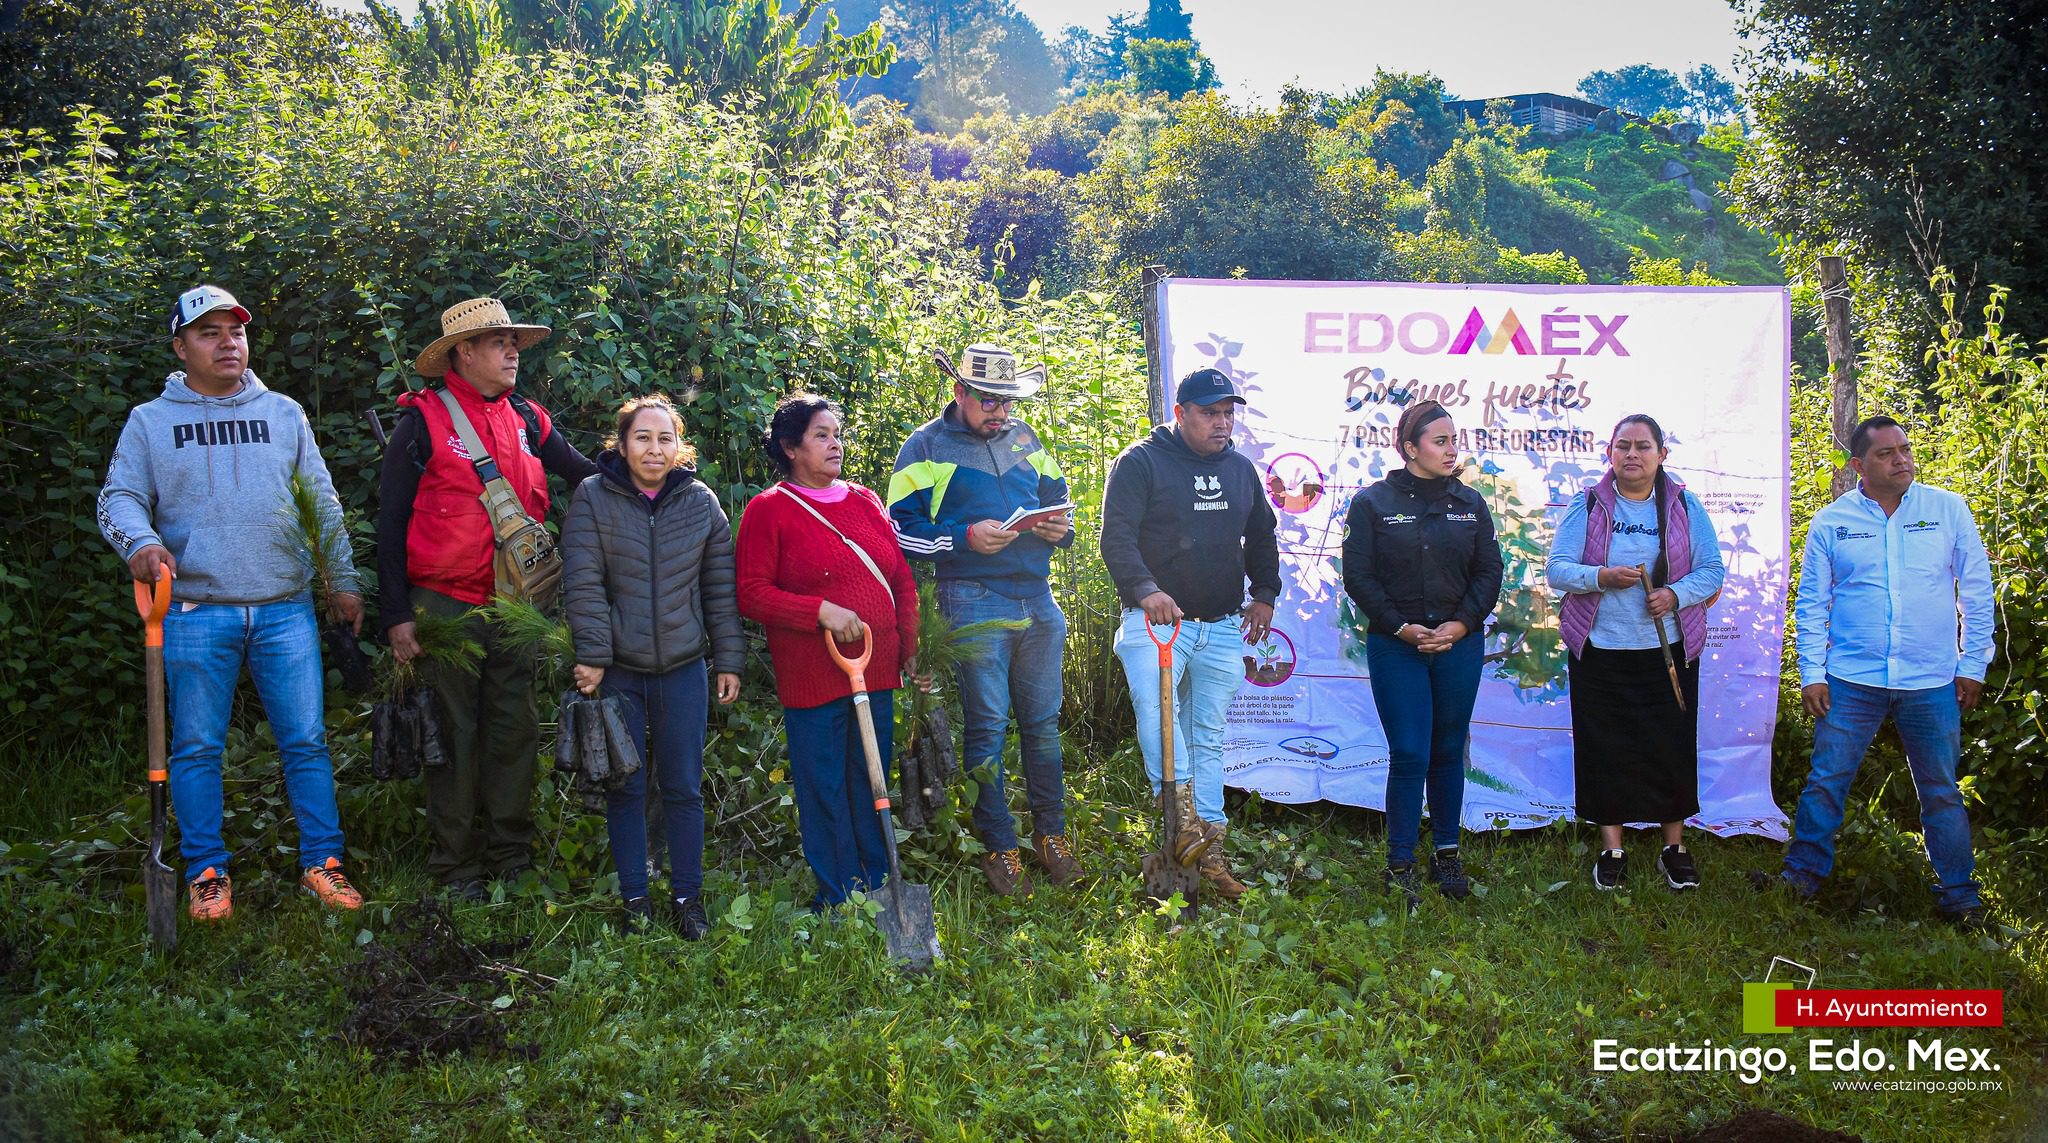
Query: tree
(1710, 98)
(1911, 133)
(1638, 89)
(1171, 67)
(1231, 191)
(1165, 20)
(788, 63)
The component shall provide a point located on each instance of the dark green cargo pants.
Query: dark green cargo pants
(480, 805)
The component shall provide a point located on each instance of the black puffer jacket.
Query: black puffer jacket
(1421, 551)
(649, 584)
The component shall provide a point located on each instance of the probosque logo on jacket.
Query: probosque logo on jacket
(1208, 491)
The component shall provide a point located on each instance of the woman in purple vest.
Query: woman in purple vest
(1636, 755)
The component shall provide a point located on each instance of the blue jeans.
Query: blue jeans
(1208, 665)
(670, 711)
(205, 648)
(835, 809)
(1425, 704)
(1002, 672)
(1931, 724)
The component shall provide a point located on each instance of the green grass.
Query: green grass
(1312, 1011)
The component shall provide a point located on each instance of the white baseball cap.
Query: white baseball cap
(199, 301)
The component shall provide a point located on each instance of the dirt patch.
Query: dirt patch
(1751, 1125)
(423, 989)
(1759, 1126)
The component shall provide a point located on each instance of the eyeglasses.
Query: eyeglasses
(991, 404)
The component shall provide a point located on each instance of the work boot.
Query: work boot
(326, 882)
(211, 896)
(1193, 839)
(1214, 866)
(1005, 872)
(1056, 857)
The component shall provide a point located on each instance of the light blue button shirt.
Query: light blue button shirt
(1623, 623)
(1878, 596)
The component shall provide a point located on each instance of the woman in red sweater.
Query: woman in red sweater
(799, 574)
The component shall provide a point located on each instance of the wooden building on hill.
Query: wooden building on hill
(1547, 112)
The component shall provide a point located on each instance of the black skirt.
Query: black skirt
(1635, 755)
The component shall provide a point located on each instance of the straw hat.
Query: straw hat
(993, 370)
(465, 320)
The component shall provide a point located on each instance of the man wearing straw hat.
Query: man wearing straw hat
(436, 555)
(959, 479)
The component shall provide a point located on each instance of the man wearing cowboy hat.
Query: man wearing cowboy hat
(195, 492)
(435, 550)
(958, 479)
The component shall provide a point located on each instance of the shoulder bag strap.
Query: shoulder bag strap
(857, 549)
(507, 513)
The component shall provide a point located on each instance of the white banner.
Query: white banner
(1535, 378)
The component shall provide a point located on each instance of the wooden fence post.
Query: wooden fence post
(1834, 292)
(1155, 365)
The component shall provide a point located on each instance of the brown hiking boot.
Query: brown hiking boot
(1056, 857)
(1193, 839)
(1215, 868)
(1005, 872)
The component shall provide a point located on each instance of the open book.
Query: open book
(1025, 519)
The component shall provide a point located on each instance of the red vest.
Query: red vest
(448, 544)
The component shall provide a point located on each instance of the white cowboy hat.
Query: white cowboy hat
(465, 320)
(993, 370)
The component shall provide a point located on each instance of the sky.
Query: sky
(1480, 48)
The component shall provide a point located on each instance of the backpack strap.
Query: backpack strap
(528, 414)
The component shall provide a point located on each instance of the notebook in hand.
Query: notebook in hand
(1025, 519)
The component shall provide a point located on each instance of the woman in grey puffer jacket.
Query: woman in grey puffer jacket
(648, 586)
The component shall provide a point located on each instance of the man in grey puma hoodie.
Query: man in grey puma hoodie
(200, 490)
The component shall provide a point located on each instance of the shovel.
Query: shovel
(906, 920)
(1670, 667)
(159, 883)
(1164, 874)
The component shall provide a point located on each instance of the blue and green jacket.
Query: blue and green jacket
(947, 479)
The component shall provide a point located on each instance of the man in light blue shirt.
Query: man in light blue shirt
(1889, 565)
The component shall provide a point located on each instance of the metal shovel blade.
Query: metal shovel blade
(908, 928)
(1164, 877)
(160, 883)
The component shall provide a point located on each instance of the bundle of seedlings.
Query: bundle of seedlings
(929, 761)
(405, 726)
(426, 990)
(320, 532)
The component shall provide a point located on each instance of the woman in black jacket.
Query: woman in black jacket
(1423, 567)
(649, 588)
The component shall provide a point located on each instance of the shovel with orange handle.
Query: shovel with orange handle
(159, 883)
(1163, 872)
(908, 928)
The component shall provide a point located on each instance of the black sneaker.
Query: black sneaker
(687, 913)
(1676, 864)
(636, 914)
(1449, 874)
(467, 891)
(1971, 920)
(1403, 879)
(1610, 869)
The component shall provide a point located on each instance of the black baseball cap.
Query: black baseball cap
(1206, 387)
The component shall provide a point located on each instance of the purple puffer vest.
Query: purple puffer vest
(1579, 611)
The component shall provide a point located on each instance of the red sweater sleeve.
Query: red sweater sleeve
(757, 556)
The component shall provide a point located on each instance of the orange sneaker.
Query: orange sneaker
(211, 897)
(326, 882)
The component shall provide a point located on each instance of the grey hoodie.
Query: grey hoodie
(210, 479)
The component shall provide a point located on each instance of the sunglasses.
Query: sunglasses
(990, 404)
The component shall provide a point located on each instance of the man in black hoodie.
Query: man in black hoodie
(1185, 522)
